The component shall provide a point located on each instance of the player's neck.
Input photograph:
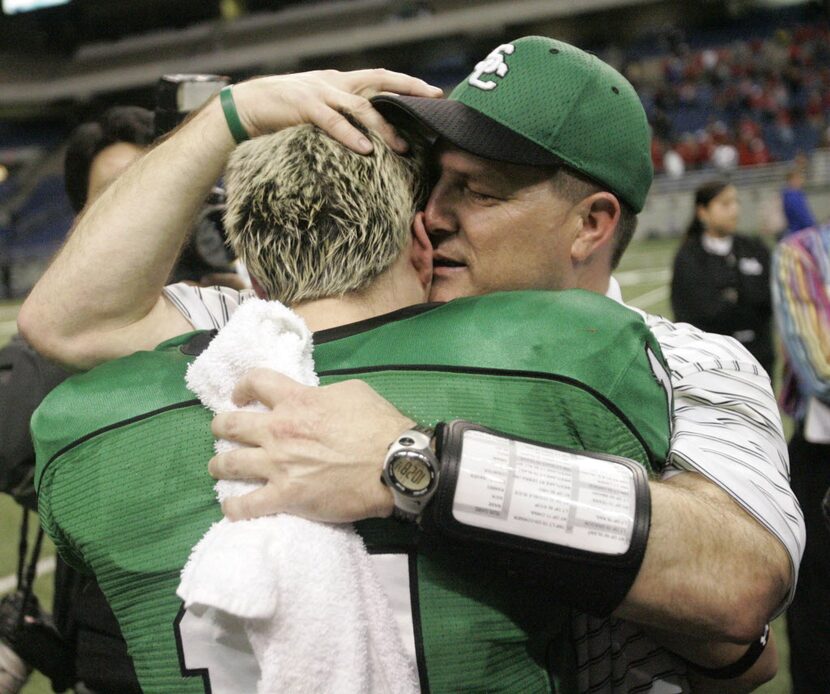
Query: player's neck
(323, 314)
(389, 292)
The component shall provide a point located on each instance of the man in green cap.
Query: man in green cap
(543, 154)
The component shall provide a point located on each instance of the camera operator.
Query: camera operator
(85, 646)
(204, 260)
(81, 645)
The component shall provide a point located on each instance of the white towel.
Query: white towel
(306, 593)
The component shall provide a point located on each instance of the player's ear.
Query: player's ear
(599, 215)
(421, 252)
(258, 290)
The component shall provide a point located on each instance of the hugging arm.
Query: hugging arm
(102, 297)
(710, 570)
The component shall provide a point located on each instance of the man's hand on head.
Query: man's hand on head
(319, 451)
(268, 104)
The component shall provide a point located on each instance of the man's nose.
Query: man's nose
(438, 215)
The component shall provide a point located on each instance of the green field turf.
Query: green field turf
(644, 275)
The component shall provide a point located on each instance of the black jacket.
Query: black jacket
(728, 295)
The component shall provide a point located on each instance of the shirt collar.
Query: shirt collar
(717, 245)
(614, 292)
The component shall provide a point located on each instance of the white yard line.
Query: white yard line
(643, 301)
(645, 275)
(44, 566)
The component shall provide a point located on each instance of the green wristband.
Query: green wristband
(232, 115)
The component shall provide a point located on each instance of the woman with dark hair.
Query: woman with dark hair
(721, 279)
(100, 149)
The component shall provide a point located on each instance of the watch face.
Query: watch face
(411, 473)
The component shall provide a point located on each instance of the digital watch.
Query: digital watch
(411, 472)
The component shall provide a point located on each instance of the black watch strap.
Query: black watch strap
(427, 431)
(740, 666)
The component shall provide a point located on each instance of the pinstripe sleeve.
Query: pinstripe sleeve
(726, 426)
(206, 308)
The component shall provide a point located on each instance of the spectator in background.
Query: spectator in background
(101, 149)
(725, 157)
(772, 91)
(97, 152)
(673, 164)
(721, 279)
(800, 281)
(796, 206)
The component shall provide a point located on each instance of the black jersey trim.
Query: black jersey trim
(415, 606)
(200, 341)
(541, 375)
(350, 329)
(204, 673)
(417, 628)
(117, 425)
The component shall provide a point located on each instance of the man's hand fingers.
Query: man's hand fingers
(269, 104)
(241, 464)
(248, 428)
(266, 386)
(332, 121)
(364, 112)
(260, 502)
(382, 80)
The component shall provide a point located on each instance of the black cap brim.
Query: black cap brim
(466, 128)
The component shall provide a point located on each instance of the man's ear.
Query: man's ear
(421, 253)
(258, 290)
(599, 215)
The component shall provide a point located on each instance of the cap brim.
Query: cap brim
(466, 128)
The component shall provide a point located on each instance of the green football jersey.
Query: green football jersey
(125, 494)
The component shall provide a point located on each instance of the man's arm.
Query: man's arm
(710, 570)
(102, 295)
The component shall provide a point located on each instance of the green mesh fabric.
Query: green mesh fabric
(576, 336)
(574, 105)
(481, 630)
(128, 505)
(561, 413)
(124, 490)
(108, 395)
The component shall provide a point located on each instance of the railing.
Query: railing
(748, 176)
(669, 205)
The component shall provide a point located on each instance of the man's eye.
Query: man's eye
(481, 197)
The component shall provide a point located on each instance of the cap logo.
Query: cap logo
(493, 64)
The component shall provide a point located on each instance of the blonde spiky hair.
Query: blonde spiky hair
(310, 218)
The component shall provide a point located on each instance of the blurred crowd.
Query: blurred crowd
(743, 103)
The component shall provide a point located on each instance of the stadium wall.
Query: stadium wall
(669, 205)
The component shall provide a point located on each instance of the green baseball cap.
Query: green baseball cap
(542, 102)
